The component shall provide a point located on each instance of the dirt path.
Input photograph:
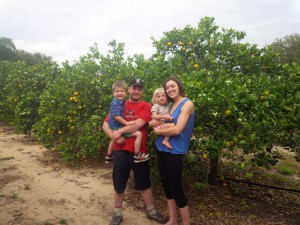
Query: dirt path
(33, 193)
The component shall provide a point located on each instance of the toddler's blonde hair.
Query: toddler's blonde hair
(155, 93)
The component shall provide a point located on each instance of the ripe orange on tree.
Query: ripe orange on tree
(235, 140)
(228, 112)
(262, 98)
(227, 144)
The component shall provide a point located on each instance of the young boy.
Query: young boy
(116, 121)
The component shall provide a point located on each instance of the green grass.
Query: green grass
(14, 196)
(285, 169)
(63, 221)
(27, 187)
(201, 186)
(47, 223)
(6, 158)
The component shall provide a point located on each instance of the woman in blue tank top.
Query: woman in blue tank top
(170, 160)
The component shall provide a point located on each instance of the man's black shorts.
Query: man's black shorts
(122, 165)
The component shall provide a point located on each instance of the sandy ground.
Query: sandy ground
(34, 193)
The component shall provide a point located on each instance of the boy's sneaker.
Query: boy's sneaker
(141, 157)
(116, 219)
(108, 159)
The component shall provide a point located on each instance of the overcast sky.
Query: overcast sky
(65, 29)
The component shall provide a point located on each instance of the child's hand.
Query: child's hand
(155, 123)
(168, 117)
(121, 140)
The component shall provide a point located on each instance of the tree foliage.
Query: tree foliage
(222, 75)
(31, 58)
(245, 99)
(288, 48)
(8, 51)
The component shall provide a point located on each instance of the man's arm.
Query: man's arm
(106, 129)
(109, 133)
(139, 123)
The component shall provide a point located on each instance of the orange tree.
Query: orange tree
(75, 104)
(233, 86)
(5, 68)
(283, 100)
(21, 92)
(244, 101)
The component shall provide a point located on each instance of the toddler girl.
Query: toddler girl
(160, 111)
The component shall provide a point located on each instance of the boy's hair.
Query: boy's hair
(119, 84)
(158, 90)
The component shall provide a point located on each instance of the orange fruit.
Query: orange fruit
(262, 98)
(204, 156)
(235, 140)
(228, 112)
(227, 144)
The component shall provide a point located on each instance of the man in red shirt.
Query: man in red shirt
(123, 153)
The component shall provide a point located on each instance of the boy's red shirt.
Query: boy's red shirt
(133, 111)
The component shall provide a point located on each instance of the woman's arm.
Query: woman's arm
(186, 110)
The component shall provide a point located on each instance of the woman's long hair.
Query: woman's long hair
(178, 82)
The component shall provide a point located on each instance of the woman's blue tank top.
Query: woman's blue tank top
(180, 142)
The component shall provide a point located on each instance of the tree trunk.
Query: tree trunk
(213, 171)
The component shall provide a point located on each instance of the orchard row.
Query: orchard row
(245, 100)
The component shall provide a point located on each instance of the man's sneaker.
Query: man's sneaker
(116, 219)
(141, 157)
(158, 217)
(108, 159)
